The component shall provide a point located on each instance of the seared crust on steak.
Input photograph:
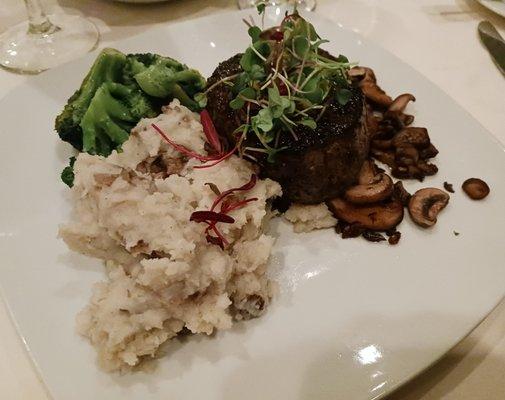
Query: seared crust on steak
(316, 166)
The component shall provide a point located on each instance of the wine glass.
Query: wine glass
(44, 42)
(308, 5)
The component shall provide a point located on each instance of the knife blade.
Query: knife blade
(494, 43)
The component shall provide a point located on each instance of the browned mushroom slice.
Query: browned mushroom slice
(372, 122)
(415, 136)
(357, 72)
(428, 152)
(426, 168)
(407, 172)
(401, 194)
(385, 156)
(362, 73)
(377, 217)
(400, 103)
(375, 94)
(476, 188)
(425, 205)
(448, 187)
(378, 189)
(406, 119)
(370, 75)
(395, 119)
(406, 155)
(373, 236)
(351, 230)
(382, 144)
(367, 172)
(394, 238)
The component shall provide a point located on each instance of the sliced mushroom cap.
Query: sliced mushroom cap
(375, 94)
(377, 217)
(406, 155)
(398, 105)
(401, 194)
(382, 144)
(367, 172)
(363, 73)
(372, 122)
(378, 189)
(476, 188)
(425, 205)
(427, 169)
(357, 72)
(385, 156)
(407, 172)
(407, 119)
(415, 136)
(429, 152)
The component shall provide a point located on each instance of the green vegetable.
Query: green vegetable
(108, 67)
(343, 96)
(113, 112)
(201, 99)
(285, 82)
(118, 91)
(263, 121)
(278, 104)
(167, 78)
(245, 94)
(255, 55)
(254, 32)
(309, 122)
(67, 175)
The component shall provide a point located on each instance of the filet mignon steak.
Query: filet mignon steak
(320, 164)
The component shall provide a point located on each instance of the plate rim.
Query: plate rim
(226, 13)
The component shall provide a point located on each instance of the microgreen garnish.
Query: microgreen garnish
(285, 83)
(261, 7)
(218, 154)
(228, 203)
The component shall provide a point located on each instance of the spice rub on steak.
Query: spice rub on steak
(318, 164)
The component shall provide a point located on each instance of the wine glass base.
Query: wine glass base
(30, 53)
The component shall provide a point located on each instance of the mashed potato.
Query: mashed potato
(306, 218)
(132, 210)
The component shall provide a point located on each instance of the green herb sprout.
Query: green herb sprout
(285, 82)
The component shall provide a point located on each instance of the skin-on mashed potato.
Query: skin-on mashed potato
(132, 210)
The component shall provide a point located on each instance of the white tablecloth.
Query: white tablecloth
(439, 38)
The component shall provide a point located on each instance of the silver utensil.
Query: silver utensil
(494, 43)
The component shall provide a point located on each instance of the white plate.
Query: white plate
(353, 320)
(497, 6)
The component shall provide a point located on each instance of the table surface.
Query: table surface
(437, 37)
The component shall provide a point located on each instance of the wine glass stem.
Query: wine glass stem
(38, 23)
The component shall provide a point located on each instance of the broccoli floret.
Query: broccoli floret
(113, 112)
(67, 175)
(165, 78)
(117, 92)
(108, 67)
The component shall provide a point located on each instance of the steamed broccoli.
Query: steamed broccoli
(108, 67)
(118, 91)
(67, 175)
(163, 77)
(113, 112)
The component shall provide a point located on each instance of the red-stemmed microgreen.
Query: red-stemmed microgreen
(212, 138)
(227, 203)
